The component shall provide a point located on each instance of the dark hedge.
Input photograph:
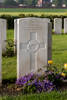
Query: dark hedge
(10, 19)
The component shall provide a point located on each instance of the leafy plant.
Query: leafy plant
(9, 48)
(39, 83)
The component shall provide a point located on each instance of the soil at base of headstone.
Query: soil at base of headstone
(10, 89)
(13, 89)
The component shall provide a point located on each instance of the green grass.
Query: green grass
(17, 11)
(59, 50)
(10, 34)
(43, 96)
(31, 10)
(9, 63)
(9, 68)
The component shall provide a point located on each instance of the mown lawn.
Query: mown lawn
(17, 11)
(9, 63)
(31, 10)
(59, 50)
(43, 96)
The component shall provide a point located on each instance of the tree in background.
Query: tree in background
(28, 2)
(59, 3)
(65, 2)
(34, 2)
(20, 1)
(10, 2)
(46, 3)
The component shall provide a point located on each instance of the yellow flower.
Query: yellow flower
(63, 74)
(65, 66)
(50, 62)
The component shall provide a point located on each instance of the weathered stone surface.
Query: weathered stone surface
(3, 23)
(65, 25)
(0, 56)
(33, 47)
(58, 25)
(2, 43)
(15, 32)
(49, 41)
(15, 35)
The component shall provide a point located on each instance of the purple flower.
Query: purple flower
(37, 82)
(23, 80)
(33, 82)
(48, 85)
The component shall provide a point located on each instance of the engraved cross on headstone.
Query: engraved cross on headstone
(32, 46)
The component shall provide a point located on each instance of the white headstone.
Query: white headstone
(65, 25)
(0, 56)
(58, 25)
(32, 45)
(15, 32)
(15, 35)
(3, 23)
(50, 41)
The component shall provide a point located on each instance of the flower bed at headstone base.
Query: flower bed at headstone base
(43, 81)
(40, 81)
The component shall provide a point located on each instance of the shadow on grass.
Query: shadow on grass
(9, 81)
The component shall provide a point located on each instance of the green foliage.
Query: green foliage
(20, 1)
(9, 49)
(59, 3)
(10, 2)
(29, 89)
(28, 2)
(9, 44)
(42, 83)
(10, 19)
(34, 2)
(46, 3)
